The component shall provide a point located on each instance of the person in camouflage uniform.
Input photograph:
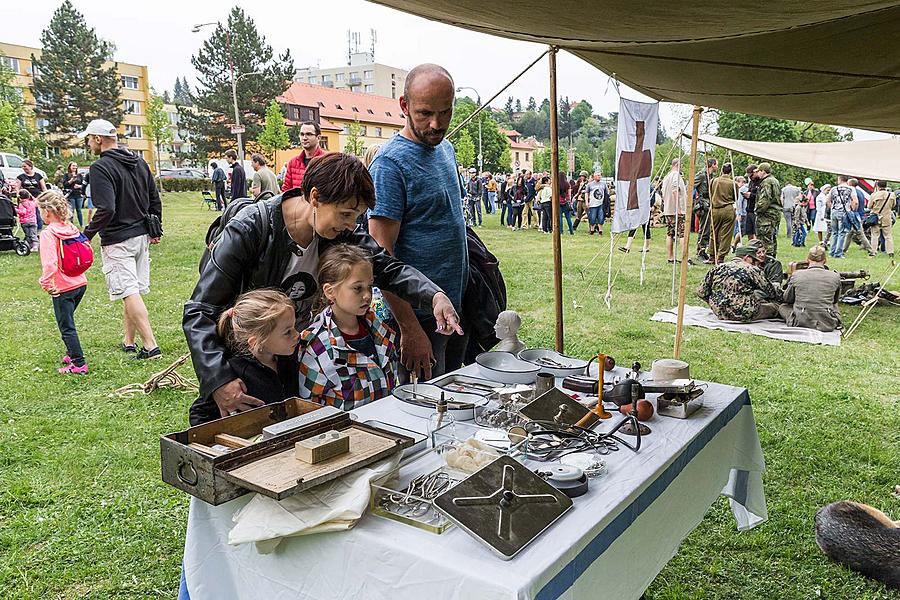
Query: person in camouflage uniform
(701, 190)
(768, 207)
(738, 291)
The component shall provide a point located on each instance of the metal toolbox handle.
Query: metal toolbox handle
(190, 480)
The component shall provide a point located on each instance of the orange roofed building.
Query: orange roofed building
(379, 118)
(521, 150)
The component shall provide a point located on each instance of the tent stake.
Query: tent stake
(685, 242)
(555, 208)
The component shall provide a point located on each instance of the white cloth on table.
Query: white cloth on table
(702, 316)
(643, 507)
(333, 506)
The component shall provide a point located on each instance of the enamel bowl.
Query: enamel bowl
(421, 400)
(550, 361)
(506, 368)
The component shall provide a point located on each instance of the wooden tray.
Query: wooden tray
(218, 479)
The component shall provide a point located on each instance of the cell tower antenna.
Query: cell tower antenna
(373, 36)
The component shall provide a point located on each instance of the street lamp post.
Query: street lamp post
(480, 156)
(237, 129)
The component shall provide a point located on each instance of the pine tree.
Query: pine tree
(518, 105)
(167, 99)
(532, 105)
(185, 90)
(178, 92)
(508, 108)
(250, 53)
(275, 135)
(73, 83)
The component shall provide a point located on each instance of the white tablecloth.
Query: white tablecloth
(610, 545)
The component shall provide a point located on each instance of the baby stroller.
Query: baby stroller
(8, 241)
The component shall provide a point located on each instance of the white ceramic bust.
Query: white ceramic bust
(507, 329)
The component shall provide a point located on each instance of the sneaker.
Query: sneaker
(128, 348)
(624, 250)
(71, 369)
(144, 354)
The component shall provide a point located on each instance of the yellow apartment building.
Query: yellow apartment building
(135, 94)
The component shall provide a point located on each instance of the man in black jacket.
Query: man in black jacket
(238, 177)
(125, 195)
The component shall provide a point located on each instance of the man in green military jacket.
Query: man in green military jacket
(738, 291)
(768, 207)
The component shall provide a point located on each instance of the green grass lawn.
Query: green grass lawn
(83, 512)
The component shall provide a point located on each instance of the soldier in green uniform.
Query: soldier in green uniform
(738, 291)
(768, 207)
(701, 208)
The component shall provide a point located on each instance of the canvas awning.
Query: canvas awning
(872, 159)
(829, 61)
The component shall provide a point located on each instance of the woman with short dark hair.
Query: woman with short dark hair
(277, 243)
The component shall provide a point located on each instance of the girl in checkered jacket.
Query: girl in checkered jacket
(347, 354)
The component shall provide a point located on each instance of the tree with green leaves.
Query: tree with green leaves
(158, 126)
(236, 41)
(15, 134)
(578, 115)
(492, 141)
(465, 149)
(275, 134)
(74, 81)
(178, 91)
(518, 106)
(532, 105)
(167, 99)
(354, 145)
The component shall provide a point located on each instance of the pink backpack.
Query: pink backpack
(75, 255)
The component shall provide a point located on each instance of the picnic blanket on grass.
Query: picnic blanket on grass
(702, 316)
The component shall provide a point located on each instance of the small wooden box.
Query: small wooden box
(266, 466)
(320, 448)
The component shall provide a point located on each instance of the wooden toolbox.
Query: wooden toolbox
(266, 466)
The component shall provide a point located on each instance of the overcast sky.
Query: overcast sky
(159, 35)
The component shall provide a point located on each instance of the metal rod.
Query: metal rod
(554, 203)
(688, 217)
(494, 97)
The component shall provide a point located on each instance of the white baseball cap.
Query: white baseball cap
(99, 127)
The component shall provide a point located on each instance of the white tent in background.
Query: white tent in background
(872, 159)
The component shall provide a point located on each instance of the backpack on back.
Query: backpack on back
(75, 255)
(214, 232)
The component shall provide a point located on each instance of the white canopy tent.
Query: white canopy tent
(872, 159)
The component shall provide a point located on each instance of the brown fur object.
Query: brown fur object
(861, 537)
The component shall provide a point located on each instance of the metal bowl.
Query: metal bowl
(423, 401)
(506, 368)
(550, 361)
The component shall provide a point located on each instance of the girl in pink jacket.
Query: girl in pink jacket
(26, 211)
(66, 291)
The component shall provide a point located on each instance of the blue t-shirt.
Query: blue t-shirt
(418, 185)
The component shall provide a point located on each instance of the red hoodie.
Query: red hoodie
(52, 276)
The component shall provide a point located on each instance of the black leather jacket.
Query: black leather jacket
(242, 260)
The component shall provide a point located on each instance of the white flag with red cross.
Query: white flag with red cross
(635, 149)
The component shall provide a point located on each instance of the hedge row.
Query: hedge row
(185, 185)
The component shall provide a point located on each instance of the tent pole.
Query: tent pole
(555, 208)
(685, 242)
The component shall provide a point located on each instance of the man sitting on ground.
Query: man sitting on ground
(738, 291)
(771, 266)
(812, 294)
